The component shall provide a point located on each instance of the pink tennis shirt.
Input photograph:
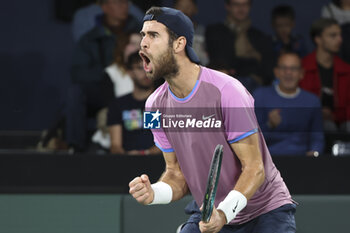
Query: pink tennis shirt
(219, 110)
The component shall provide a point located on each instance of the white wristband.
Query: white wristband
(163, 193)
(232, 204)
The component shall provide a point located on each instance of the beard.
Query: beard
(165, 66)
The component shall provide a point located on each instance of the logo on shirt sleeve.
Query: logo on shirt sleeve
(151, 120)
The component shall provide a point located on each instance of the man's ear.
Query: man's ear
(180, 44)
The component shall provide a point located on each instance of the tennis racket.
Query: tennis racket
(212, 184)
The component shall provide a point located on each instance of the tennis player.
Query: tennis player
(251, 195)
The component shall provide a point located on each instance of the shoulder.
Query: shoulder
(257, 33)
(309, 98)
(233, 93)
(115, 72)
(113, 106)
(122, 100)
(89, 10)
(265, 96)
(345, 67)
(260, 40)
(262, 92)
(111, 69)
(125, 97)
(92, 35)
(156, 96)
(309, 61)
(220, 80)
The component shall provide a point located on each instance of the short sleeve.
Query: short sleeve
(161, 140)
(114, 116)
(159, 136)
(237, 112)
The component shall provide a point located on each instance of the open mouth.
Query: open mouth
(146, 62)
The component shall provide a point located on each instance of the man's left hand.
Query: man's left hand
(217, 221)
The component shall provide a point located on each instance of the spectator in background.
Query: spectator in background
(87, 17)
(126, 113)
(189, 8)
(84, 20)
(289, 117)
(95, 50)
(117, 71)
(91, 90)
(327, 76)
(283, 23)
(123, 84)
(338, 10)
(248, 50)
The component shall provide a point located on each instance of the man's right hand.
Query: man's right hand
(327, 114)
(140, 188)
(274, 118)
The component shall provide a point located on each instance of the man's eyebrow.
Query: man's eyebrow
(149, 32)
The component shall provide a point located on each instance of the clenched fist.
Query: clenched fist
(140, 188)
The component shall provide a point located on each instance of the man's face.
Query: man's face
(157, 55)
(283, 26)
(116, 9)
(138, 75)
(238, 9)
(330, 39)
(133, 45)
(289, 72)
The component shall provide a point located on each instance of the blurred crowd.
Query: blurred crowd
(299, 96)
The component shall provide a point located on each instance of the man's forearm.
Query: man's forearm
(177, 182)
(250, 180)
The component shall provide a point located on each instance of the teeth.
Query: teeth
(147, 60)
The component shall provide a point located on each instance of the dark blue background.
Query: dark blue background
(36, 51)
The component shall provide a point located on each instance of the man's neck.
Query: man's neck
(141, 94)
(324, 58)
(183, 83)
(234, 21)
(287, 93)
(285, 39)
(238, 26)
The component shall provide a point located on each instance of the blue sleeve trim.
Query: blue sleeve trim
(164, 150)
(253, 131)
